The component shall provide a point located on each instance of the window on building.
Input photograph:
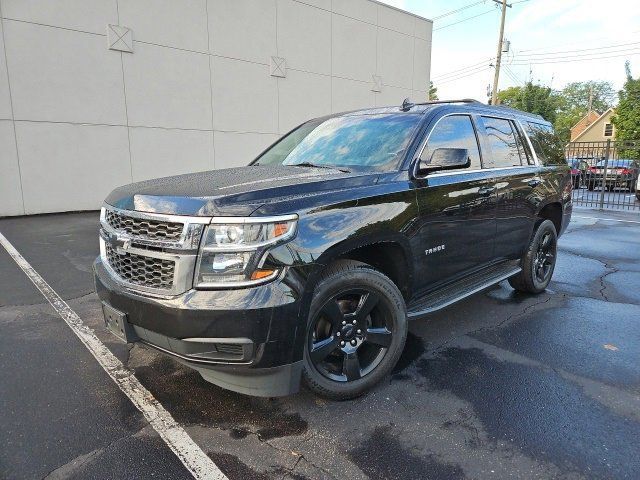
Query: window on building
(504, 146)
(608, 129)
(454, 131)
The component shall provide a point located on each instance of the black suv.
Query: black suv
(309, 262)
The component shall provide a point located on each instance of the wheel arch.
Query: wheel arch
(552, 211)
(388, 254)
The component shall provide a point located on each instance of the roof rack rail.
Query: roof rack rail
(407, 104)
(462, 100)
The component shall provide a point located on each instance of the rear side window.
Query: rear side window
(546, 143)
(454, 131)
(503, 142)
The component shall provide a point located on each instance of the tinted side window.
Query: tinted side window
(547, 145)
(523, 147)
(454, 131)
(504, 146)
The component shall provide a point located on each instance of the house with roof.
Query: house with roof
(594, 127)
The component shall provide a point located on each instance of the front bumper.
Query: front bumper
(242, 340)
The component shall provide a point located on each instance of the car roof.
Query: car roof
(463, 105)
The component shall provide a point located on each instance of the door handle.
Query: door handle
(486, 191)
(534, 182)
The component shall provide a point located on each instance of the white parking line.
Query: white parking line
(189, 453)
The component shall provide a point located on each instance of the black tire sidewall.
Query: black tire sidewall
(356, 275)
(545, 227)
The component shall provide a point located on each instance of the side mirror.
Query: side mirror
(446, 159)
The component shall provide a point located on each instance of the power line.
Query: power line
(572, 59)
(577, 56)
(463, 20)
(462, 69)
(476, 16)
(574, 43)
(465, 76)
(512, 75)
(562, 52)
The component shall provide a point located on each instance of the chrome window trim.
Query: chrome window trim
(536, 162)
(416, 160)
(477, 170)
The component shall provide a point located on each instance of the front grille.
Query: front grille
(143, 228)
(143, 271)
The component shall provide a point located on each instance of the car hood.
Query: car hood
(232, 191)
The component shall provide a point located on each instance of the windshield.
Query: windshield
(354, 141)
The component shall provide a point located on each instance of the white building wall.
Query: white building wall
(78, 119)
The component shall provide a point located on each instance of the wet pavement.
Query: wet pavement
(501, 385)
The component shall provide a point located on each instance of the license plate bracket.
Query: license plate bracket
(116, 322)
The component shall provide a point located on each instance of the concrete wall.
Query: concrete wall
(78, 118)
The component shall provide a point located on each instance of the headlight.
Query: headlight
(233, 250)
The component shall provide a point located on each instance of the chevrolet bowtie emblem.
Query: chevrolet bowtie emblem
(126, 243)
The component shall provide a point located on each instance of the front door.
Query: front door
(457, 224)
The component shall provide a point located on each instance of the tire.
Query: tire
(590, 186)
(538, 261)
(349, 292)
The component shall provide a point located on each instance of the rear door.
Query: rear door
(517, 182)
(456, 208)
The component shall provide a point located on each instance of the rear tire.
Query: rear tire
(539, 260)
(356, 331)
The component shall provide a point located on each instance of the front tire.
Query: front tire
(539, 260)
(356, 331)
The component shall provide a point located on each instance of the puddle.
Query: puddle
(383, 457)
(193, 401)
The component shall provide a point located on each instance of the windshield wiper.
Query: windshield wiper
(316, 165)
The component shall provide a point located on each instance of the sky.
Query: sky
(596, 35)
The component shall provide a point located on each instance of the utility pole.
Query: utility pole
(496, 76)
(590, 98)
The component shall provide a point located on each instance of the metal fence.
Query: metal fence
(605, 174)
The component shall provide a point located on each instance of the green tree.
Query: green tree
(433, 92)
(575, 100)
(531, 98)
(577, 94)
(627, 116)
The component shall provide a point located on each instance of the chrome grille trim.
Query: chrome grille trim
(144, 228)
(141, 270)
(130, 252)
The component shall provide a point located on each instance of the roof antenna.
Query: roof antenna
(406, 105)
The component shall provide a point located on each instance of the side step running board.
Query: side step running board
(454, 292)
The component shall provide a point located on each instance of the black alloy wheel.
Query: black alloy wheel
(539, 260)
(350, 335)
(356, 330)
(544, 258)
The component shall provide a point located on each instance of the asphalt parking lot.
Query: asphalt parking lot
(501, 385)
